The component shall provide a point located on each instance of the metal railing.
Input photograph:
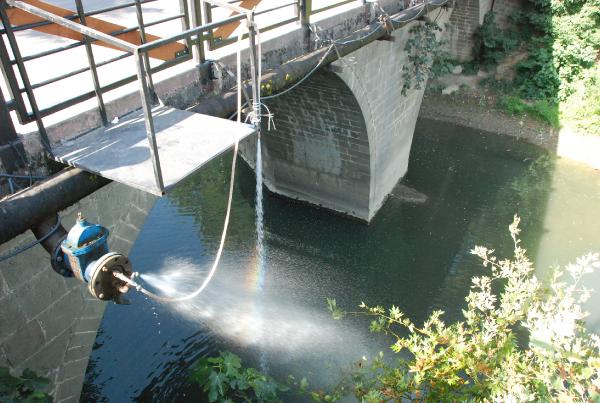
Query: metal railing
(313, 11)
(303, 9)
(18, 104)
(139, 52)
(21, 89)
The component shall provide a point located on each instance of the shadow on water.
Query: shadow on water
(413, 255)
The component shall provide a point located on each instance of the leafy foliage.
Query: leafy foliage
(224, 380)
(426, 56)
(486, 357)
(562, 40)
(491, 44)
(24, 388)
(541, 109)
(525, 343)
(583, 106)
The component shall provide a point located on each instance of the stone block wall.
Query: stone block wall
(48, 323)
(374, 75)
(466, 17)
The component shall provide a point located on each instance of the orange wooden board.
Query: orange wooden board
(225, 31)
(19, 17)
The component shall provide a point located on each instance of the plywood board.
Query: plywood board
(19, 17)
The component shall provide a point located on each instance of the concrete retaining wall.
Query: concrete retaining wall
(48, 323)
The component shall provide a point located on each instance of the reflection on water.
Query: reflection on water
(412, 255)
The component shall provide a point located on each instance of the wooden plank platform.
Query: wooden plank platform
(121, 152)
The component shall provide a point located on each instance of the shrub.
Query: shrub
(542, 110)
(224, 380)
(525, 343)
(491, 43)
(24, 388)
(427, 57)
(528, 343)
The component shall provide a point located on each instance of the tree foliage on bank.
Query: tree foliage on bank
(562, 41)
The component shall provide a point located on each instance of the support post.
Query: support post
(92, 63)
(150, 132)
(185, 22)
(207, 19)
(7, 129)
(196, 17)
(305, 12)
(8, 135)
(140, 19)
(253, 68)
(10, 78)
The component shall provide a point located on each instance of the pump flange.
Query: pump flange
(102, 282)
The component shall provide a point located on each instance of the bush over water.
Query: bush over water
(527, 342)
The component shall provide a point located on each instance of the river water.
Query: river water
(415, 254)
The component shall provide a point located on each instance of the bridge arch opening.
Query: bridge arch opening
(319, 151)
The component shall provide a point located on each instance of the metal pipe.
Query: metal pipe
(31, 206)
(52, 242)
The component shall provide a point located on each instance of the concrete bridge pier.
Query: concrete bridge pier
(343, 137)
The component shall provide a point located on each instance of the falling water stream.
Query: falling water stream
(260, 252)
(414, 255)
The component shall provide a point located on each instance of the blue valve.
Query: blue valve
(86, 256)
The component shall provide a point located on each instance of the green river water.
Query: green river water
(413, 255)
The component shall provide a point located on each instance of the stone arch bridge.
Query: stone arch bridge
(343, 137)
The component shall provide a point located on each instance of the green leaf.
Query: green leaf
(217, 385)
(201, 371)
(28, 374)
(231, 363)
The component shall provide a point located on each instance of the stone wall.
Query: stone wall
(466, 17)
(48, 323)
